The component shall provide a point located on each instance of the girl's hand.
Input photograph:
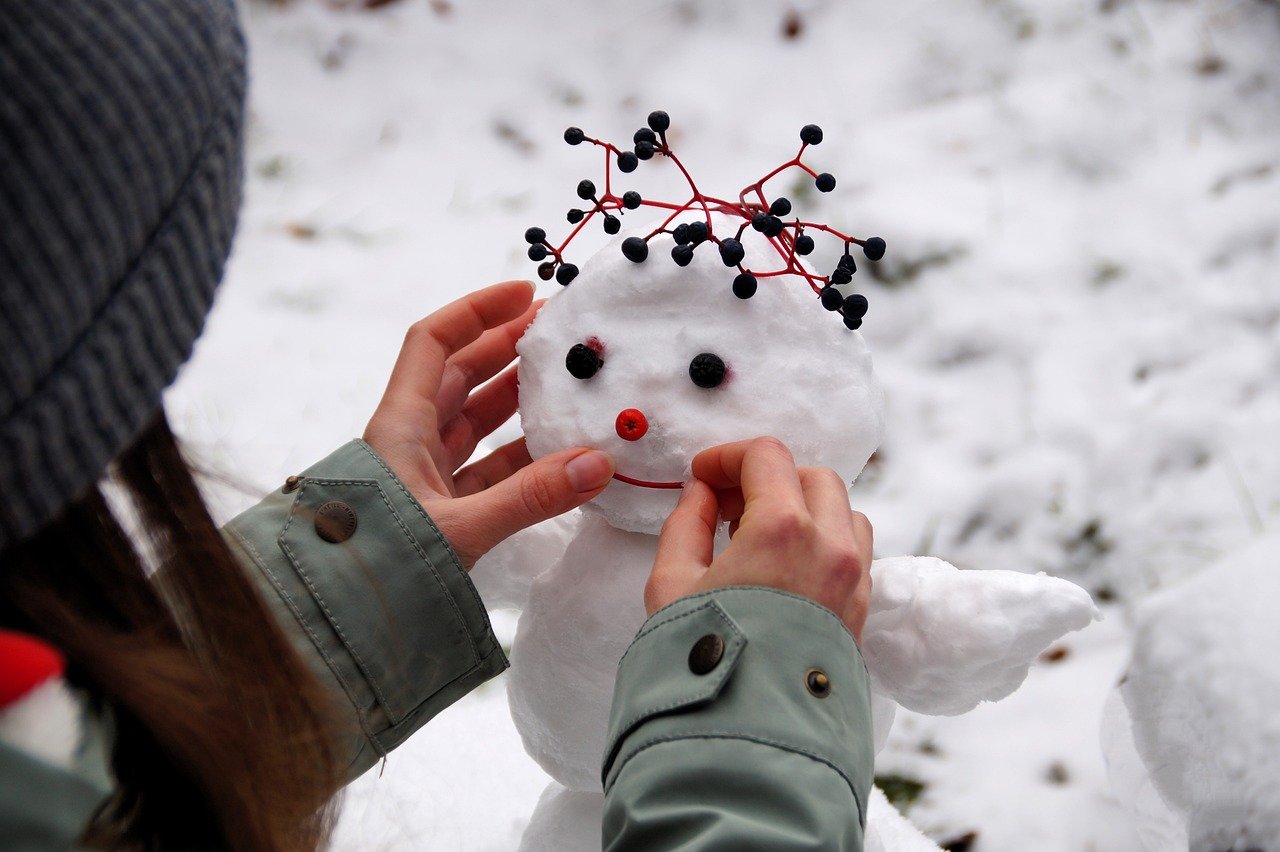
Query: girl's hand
(792, 529)
(434, 412)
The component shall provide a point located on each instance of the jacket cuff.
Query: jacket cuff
(779, 670)
(373, 595)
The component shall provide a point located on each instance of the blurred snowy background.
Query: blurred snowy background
(1077, 322)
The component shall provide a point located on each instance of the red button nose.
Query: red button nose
(632, 424)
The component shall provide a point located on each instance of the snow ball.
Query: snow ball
(940, 641)
(793, 371)
(1203, 691)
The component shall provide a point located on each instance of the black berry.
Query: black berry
(681, 234)
(586, 190)
(811, 134)
(804, 244)
(574, 135)
(546, 271)
(627, 161)
(644, 150)
(873, 248)
(582, 362)
(574, 216)
(780, 207)
(760, 221)
(659, 121)
(612, 224)
(534, 235)
(831, 298)
(698, 232)
(731, 252)
(744, 286)
(825, 182)
(635, 249)
(855, 306)
(682, 255)
(537, 252)
(852, 323)
(772, 226)
(841, 276)
(644, 134)
(631, 199)
(707, 370)
(846, 262)
(566, 273)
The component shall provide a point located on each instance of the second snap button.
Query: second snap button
(335, 521)
(706, 654)
(817, 682)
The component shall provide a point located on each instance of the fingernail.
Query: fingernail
(589, 471)
(686, 490)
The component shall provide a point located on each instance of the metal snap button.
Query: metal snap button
(817, 682)
(706, 653)
(292, 484)
(335, 521)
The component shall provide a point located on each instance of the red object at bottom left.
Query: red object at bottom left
(25, 663)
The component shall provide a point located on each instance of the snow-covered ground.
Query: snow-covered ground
(1077, 323)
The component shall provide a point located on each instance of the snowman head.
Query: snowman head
(653, 362)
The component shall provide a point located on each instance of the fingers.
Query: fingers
(761, 467)
(480, 361)
(486, 410)
(731, 503)
(533, 493)
(827, 498)
(431, 341)
(865, 540)
(685, 546)
(855, 614)
(492, 469)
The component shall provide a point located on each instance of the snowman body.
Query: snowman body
(790, 370)
(579, 618)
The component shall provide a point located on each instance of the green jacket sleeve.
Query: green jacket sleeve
(45, 807)
(386, 616)
(769, 747)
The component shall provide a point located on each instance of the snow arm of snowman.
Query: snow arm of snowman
(503, 575)
(940, 641)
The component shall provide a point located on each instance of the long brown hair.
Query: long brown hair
(221, 734)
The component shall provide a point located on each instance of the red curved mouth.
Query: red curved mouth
(643, 483)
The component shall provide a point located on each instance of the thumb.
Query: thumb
(550, 486)
(684, 548)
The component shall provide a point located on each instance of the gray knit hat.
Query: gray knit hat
(120, 172)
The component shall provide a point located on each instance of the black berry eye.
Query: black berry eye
(583, 362)
(706, 370)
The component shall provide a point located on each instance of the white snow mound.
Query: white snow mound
(794, 371)
(1203, 693)
(940, 641)
(889, 831)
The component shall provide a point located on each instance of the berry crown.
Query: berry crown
(790, 237)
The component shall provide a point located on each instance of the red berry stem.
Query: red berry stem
(790, 240)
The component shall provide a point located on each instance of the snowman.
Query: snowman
(653, 361)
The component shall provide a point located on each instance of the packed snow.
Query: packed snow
(941, 641)
(1202, 694)
(1077, 324)
(792, 370)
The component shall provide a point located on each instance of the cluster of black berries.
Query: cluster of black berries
(790, 236)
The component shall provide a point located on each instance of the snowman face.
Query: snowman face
(653, 363)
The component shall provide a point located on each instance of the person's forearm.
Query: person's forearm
(741, 719)
(385, 615)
